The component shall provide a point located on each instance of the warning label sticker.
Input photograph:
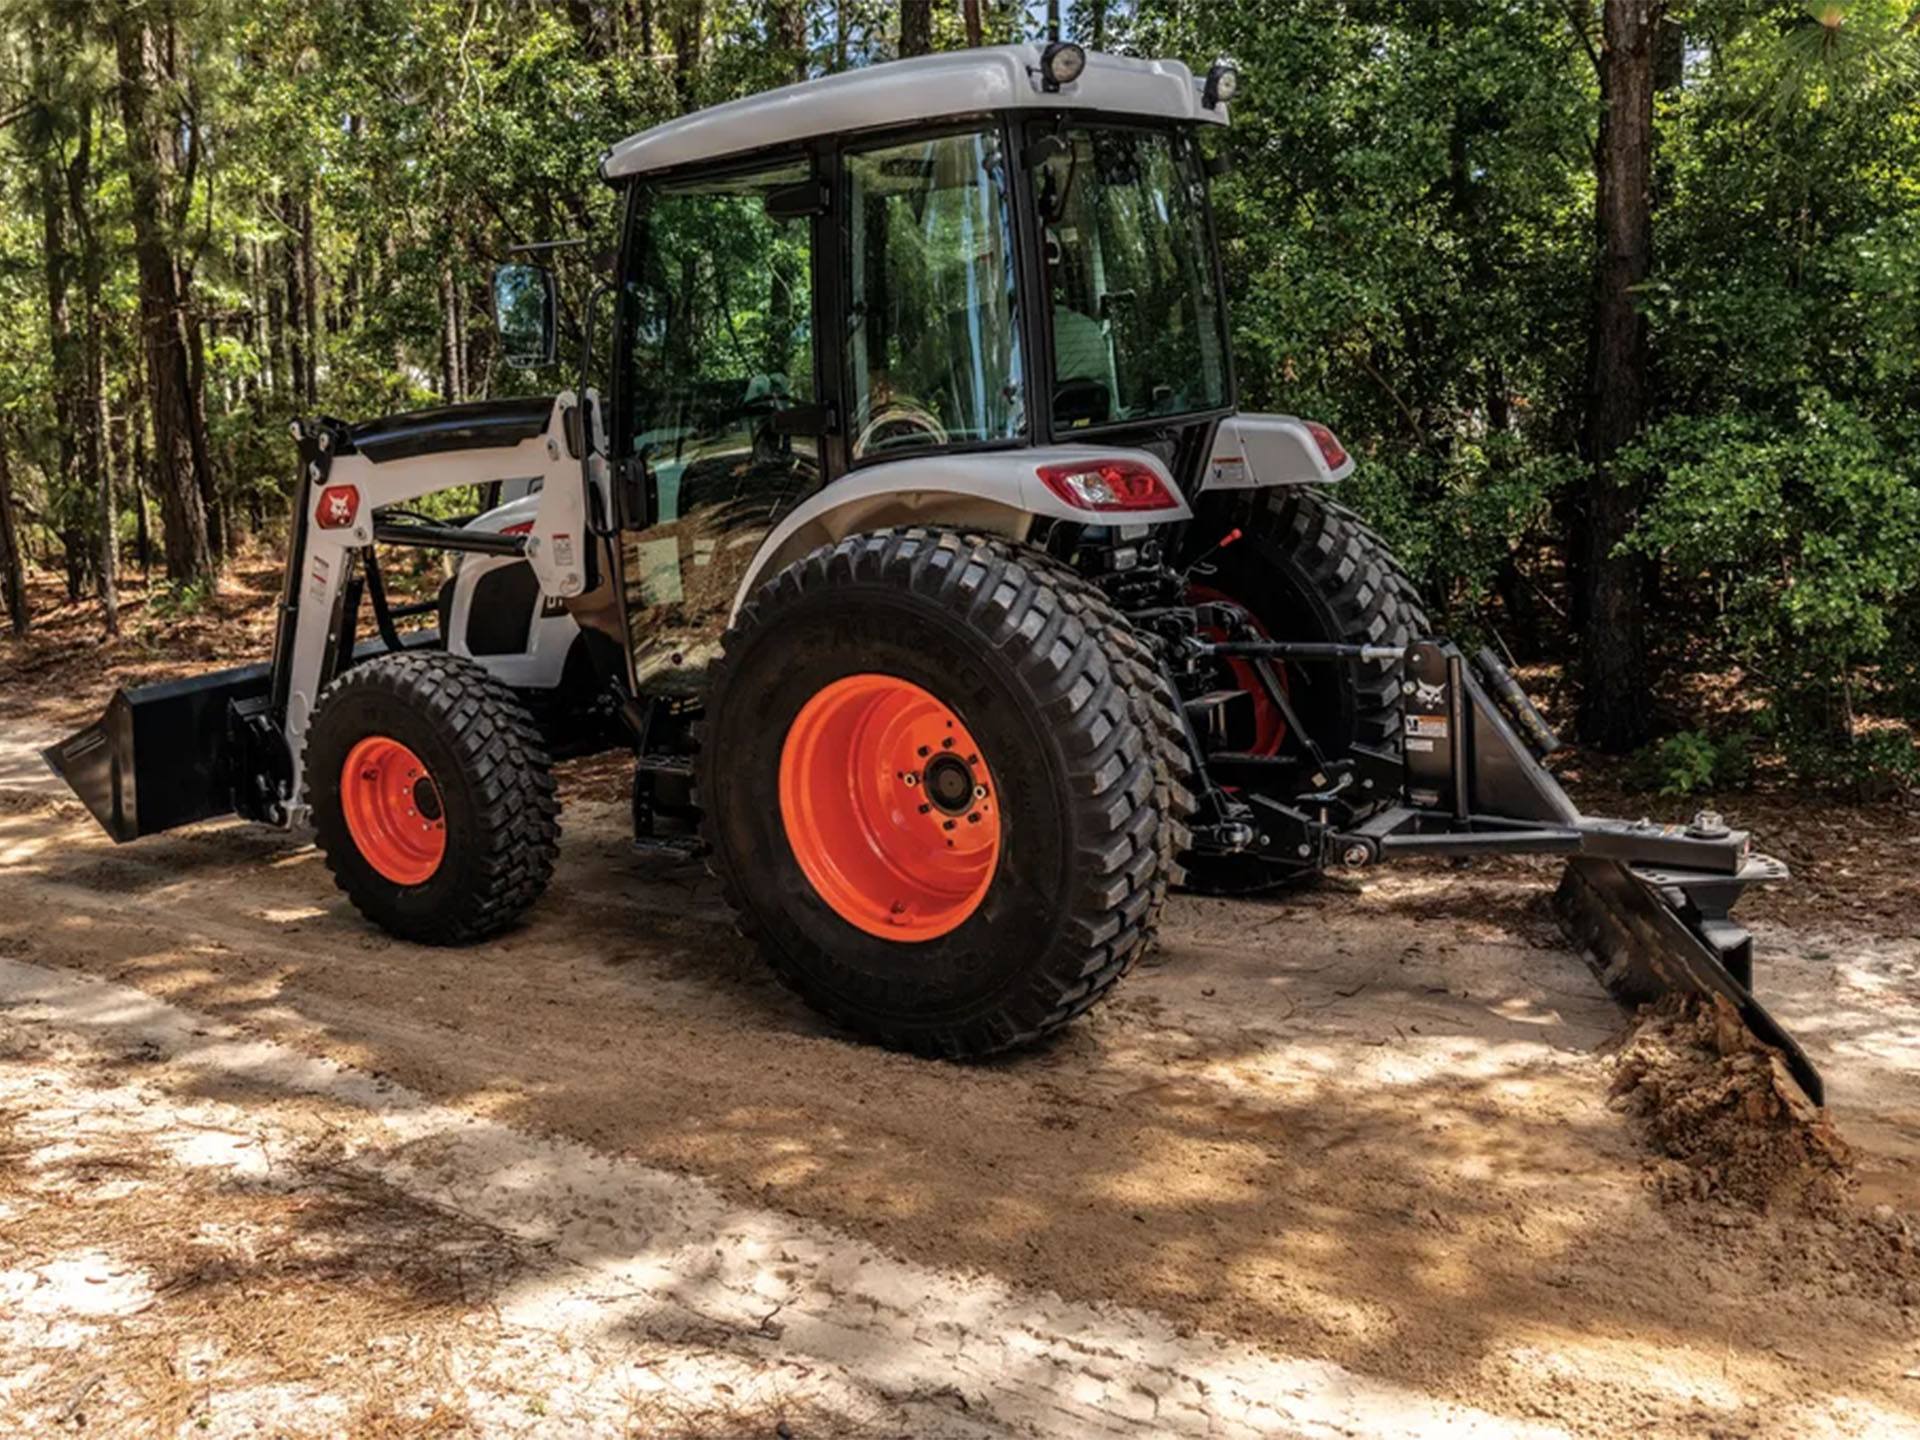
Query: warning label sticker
(1433, 726)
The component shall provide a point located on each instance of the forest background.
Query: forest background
(1617, 301)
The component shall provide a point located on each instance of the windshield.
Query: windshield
(1137, 329)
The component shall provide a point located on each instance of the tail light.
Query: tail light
(1331, 449)
(1108, 485)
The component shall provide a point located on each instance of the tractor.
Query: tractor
(905, 527)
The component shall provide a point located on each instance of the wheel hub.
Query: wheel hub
(393, 810)
(889, 808)
(949, 783)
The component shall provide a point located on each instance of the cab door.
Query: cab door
(717, 425)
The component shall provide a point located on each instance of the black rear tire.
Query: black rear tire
(494, 782)
(1036, 667)
(1310, 569)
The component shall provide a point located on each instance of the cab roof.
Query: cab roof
(928, 87)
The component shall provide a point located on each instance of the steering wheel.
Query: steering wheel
(899, 425)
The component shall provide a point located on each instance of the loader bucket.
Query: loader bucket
(1651, 932)
(162, 755)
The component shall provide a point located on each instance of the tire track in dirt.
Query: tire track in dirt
(635, 1245)
(1365, 1128)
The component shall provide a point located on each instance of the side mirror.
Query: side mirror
(525, 300)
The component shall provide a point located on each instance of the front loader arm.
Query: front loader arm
(349, 474)
(172, 753)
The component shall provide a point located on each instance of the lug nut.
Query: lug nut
(911, 778)
(946, 824)
(979, 792)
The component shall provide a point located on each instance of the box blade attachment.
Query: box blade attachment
(1651, 932)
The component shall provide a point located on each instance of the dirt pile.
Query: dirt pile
(1725, 1118)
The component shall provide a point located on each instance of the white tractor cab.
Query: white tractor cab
(922, 556)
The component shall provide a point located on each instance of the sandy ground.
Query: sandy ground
(1342, 1164)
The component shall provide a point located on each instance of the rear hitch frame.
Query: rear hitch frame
(1649, 904)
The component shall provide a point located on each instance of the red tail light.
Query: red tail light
(522, 527)
(1108, 485)
(1331, 449)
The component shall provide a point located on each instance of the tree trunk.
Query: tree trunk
(293, 323)
(1053, 19)
(278, 363)
(916, 27)
(91, 413)
(1615, 713)
(197, 432)
(684, 30)
(162, 315)
(452, 384)
(589, 25)
(790, 33)
(67, 359)
(142, 532)
(109, 550)
(310, 292)
(970, 14)
(13, 578)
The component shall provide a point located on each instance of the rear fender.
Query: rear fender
(999, 492)
(1251, 452)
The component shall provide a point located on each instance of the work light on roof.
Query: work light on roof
(1061, 64)
(1223, 81)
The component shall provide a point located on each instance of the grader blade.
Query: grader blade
(1651, 932)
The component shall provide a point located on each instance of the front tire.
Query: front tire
(433, 798)
(951, 900)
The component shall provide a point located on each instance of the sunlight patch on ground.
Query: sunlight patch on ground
(629, 1245)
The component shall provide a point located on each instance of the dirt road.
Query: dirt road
(1343, 1164)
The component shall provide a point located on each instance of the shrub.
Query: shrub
(1692, 763)
(1805, 536)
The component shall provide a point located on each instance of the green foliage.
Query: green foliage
(1692, 763)
(1877, 765)
(1804, 538)
(177, 600)
(1409, 243)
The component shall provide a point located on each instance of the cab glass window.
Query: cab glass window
(721, 341)
(1137, 319)
(932, 325)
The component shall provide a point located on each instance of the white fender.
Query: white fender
(998, 491)
(1254, 451)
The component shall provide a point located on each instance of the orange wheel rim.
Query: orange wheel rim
(889, 807)
(1269, 723)
(393, 810)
